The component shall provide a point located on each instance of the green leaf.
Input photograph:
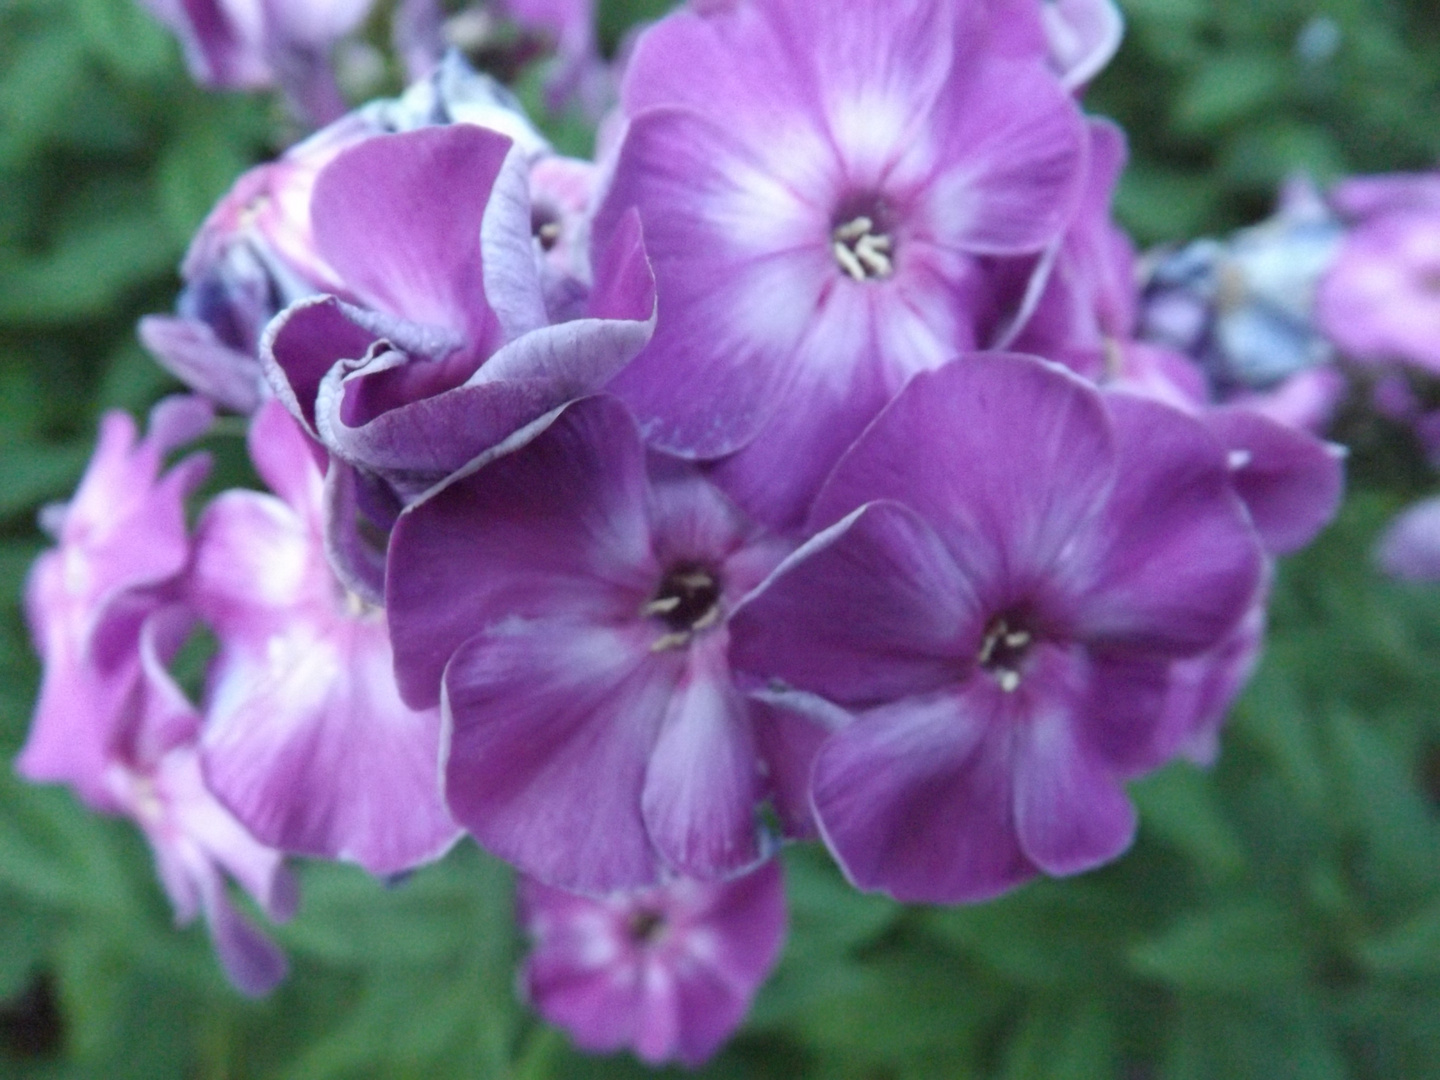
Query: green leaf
(1179, 806)
(1228, 88)
(1065, 1039)
(1252, 947)
(1411, 949)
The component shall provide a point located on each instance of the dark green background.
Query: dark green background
(1278, 917)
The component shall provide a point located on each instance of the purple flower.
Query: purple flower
(567, 606)
(121, 548)
(818, 184)
(1002, 622)
(1380, 301)
(668, 971)
(1410, 548)
(154, 777)
(105, 610)
(306, 739)
(439, 345)
(251, 44)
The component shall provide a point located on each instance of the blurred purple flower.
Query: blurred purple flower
(306, 738)
(1410, 548)
(154, 777)
(1380, 302)
(567, 606)
(668, 971)
(121, 547)
(1004, 629)
(252, 44)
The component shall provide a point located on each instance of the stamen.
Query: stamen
(860, 251)
(687, 602)
(1002, 650)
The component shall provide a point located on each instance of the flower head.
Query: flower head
(668, 971)
(1001, 623)
(567, 605)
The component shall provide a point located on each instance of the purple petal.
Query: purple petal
(1175, 562)
(1027, 461)
(552, 522)
(399, 218)
(1410, 548)
(1016, 161)
(1290, 480)
(189, 350)
(302, 344)
(251, 960)
(551, 725)
(702, 785)
(871, 609)
(787, 740)
(915, 799)
(1071, 813)
(309, 745)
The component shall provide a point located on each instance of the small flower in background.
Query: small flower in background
(1380, 301)
(255, 44)
(121, 548)
(668, 971)
(155, 778)
(1245, 308)
(1410, 548)
(107, 611)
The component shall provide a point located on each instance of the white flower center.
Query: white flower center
(860, 251)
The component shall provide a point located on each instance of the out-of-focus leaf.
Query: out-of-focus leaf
(1226, 89)
(1409, 949)
(1179, 806)
(1250, 948)
(1281, 1037)
(1066, 1039)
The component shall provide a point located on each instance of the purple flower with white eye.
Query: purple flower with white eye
(306, 739)
(1380, 301)
(440, 345)
(818, 184)
(121, 546)
(252, 44)
(567, 606)
(668, 971)
(153, 776)
(1002, 622)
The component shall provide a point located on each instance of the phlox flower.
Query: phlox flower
(439, 344)
(566, 604)
(1001, 623)
(1380, 302)
(306, 739)
(818, 185)
(121, 547)
(668, 971)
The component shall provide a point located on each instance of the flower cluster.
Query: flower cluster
(796, 470)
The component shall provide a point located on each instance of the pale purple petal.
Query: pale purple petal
(300, 347)
(915, 799)
(1015, 160)
(399, 218)
(191, 351)
(551, 724)
(702, 782)
(1083, 36)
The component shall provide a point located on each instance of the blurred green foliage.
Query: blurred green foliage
(1279, 916)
